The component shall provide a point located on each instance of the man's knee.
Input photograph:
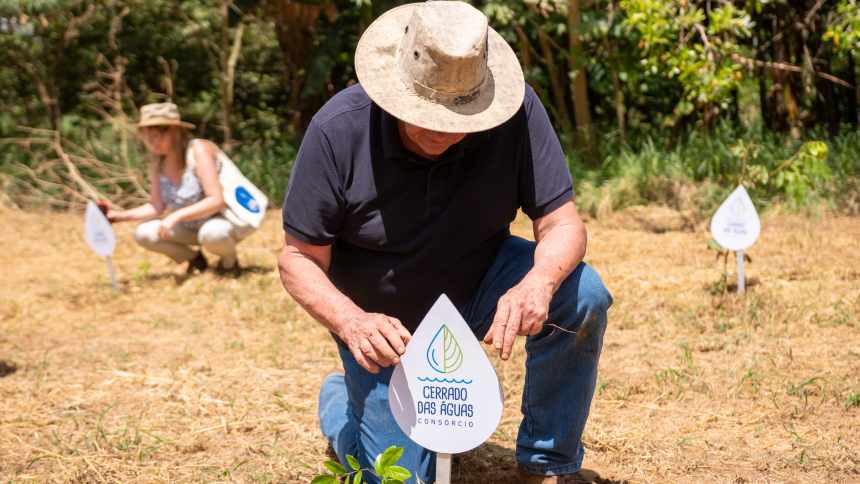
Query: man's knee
(581, 295)
(146, 234)
(592, 293)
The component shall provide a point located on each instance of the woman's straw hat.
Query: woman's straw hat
(439, 65)
(161, 114)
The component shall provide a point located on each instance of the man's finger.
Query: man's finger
(512, 326)
(498, 329)
(383, 354)
(364, 361)
(393, 338)
(405, 335)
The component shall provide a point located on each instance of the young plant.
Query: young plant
(383, 467)
(721, 286)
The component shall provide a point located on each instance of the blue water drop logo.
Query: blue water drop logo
(444, 353)
(245, 199)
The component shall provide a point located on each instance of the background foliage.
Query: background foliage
(655, 100)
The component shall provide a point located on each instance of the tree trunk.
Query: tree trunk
(579, 86)
(852, 94)
(229, 53)
(620, 109)
(558, 91)
(294, 26)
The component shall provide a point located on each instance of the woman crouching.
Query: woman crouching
(183, 177)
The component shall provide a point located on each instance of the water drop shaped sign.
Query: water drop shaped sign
(246, 200)
(444, 353)
(736, 225)
(98, 231)
(444, 394)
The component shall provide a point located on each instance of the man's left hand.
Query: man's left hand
(523, 310)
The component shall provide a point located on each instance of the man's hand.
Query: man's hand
(167, 225)
(521, 311)
(375, 340)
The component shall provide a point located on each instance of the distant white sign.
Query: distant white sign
(98, 231)
(444, 393)
(736, 225)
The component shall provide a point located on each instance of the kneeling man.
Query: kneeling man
(404, 188)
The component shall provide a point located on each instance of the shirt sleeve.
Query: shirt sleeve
(545, 181)
(313, 210)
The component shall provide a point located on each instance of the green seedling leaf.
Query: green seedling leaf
(335, 468)
(391, 481)
(358, 477)
(353, 462)
(390, 456)
(325, 479)
(377, 465)
(714, 245)
(397, 472)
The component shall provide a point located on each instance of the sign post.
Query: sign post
(100, 237)
(444, 394)
(736, 226)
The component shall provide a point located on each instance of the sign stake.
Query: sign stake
(443, 468)
(741, 278)
(112, 274)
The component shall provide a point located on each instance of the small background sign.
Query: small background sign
(444, 393)
(98, 231)
(736, 225)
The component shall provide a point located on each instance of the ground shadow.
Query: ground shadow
(7, 368)
(493, 463)
(180, 278)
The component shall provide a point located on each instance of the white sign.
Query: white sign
(444, 393)
(98, 231)
(736, 225)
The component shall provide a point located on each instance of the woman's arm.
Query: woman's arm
(148, 211)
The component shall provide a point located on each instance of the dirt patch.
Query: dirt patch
(205, 378)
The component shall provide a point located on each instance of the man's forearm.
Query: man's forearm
(557, 254)
(313, 290)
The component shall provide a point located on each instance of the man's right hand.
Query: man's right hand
(375, 340)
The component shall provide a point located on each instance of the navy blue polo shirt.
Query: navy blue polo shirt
(404, 229)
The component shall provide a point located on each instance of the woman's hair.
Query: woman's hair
(183, 137)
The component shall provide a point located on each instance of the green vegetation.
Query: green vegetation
(670, 102)
(384, 467)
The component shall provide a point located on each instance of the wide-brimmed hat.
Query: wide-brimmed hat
(440, 66)
(161, 114)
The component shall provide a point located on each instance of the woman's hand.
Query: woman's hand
(167, 224)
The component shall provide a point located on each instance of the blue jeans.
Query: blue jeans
(561, 371)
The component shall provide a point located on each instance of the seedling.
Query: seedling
(384, 467)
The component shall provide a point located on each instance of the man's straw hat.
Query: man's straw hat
(439, 65)
(161, 114)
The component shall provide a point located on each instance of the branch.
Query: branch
(73, 170)
(782, 66)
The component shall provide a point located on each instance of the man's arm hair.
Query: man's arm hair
(303, 268)
(561, 243)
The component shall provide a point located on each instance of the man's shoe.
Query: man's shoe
(583, 476)
(198, 263)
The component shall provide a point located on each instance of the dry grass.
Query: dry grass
(206, 379)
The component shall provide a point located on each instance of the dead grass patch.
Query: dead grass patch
(205, 379)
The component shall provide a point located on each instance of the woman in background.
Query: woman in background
(183, 177)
